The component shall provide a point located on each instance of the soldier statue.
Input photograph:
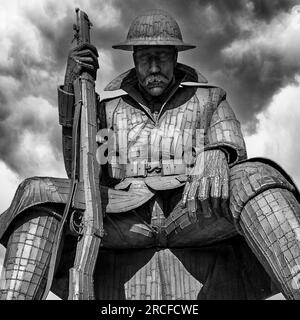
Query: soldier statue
(196, 222)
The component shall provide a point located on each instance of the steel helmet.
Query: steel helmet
(154, 28)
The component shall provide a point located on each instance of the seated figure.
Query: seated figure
(187, 216)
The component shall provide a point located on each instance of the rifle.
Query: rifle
(81, 275)
(86, 171)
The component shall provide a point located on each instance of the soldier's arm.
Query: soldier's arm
(224, 131)
(207, 189)
(66, 114)
(82, 58)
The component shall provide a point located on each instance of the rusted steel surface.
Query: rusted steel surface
(170, 227)
(81, 276)
(270, 223)
(202, 119)
(48, 191)
(154, 28)
(250, 178)
(188, 273)
(24, 275)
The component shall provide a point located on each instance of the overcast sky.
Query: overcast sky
(248, 47)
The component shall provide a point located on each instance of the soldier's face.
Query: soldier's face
(155, 67)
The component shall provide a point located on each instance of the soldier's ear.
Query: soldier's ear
(134, 58)
(175, 57)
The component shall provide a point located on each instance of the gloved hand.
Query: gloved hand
(83, 58)
(207, 188)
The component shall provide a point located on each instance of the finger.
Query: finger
(84, 59)
(192, 200)
(225, 202)
(86, 46)
(225, 188)
(84, 66)
(86, 53)
(185, 194)
(201, 194)
(87, 60)
(206, 207)
(225, 210)
(215, 195)
(203, 197)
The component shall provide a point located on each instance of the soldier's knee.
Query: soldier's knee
(37, 190)
(44, 212)
(27, 257)
(40, 216)
(31, 182)
(249, 179)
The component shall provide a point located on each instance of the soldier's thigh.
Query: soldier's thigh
(128, 230)
(182, 230)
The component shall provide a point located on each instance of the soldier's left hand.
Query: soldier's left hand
(207, 188)
(82, 58)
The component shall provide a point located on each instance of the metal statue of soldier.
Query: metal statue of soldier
(214, 226)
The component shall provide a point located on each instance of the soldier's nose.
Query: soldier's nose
(154, 67)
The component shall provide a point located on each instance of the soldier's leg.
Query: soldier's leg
(268, 215)
(28, 255)
(182, 230)
(130, 229)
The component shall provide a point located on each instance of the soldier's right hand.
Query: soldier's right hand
(83, 58)
(206, 191)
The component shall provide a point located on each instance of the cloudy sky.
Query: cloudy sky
(248, 47)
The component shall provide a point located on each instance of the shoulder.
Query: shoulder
(209, 93)
(106, 108)
(110, 100)
(212, 90)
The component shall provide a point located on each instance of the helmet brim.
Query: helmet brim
(128, 45)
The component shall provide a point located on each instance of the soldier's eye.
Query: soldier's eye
(159, 57)
(144, 58)
(163, 57)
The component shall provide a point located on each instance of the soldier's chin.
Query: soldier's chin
(156, 90)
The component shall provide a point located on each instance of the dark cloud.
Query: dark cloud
(55, 38)
(266, 10)
(12, 133)
(4, 110)
(36, 76)
(249, 85)
(9, 138)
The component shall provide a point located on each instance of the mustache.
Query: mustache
(155, 79)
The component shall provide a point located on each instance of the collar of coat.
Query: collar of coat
(185, 76)
(188, 76)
